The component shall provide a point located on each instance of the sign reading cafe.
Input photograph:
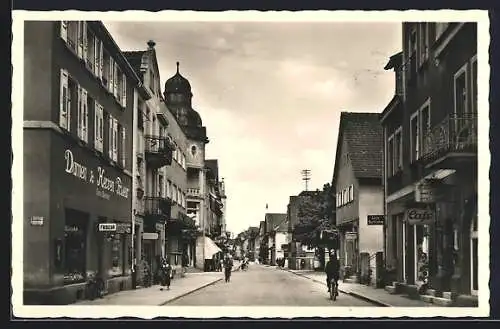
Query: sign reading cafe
(98, 177)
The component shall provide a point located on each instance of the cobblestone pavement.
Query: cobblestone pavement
(266, 286)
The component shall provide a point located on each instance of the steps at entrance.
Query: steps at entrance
(391, 290)
(352, 279)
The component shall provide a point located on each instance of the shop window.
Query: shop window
(117, 255)
(74, 247)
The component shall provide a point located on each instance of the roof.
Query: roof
(135, 60)
(395, 61)
(276, 221)
(364, 138)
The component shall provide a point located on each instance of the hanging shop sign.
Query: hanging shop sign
(107, 227)
(149, 236)
(415, 216)
(375, 219)
(425, 192)
(105, 185)
(124, 228)
(159, 226)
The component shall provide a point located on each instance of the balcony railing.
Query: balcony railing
(157, 206)
(455, 134)
(158, 150)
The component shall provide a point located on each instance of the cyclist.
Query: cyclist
(332, 269)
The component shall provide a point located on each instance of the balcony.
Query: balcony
(454, 138)
(158, 151)
(157, 208)
(193, 192)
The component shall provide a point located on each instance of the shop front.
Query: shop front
(349, 248)
(85, 232)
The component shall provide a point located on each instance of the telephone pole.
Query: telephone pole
(306, 177)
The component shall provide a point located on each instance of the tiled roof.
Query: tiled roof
(276, 220)
(135, 60)
(364, 136)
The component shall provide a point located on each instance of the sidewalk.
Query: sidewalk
(153, 296)
(376, 296)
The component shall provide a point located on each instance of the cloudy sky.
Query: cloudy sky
(270, 95)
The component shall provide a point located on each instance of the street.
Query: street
(265, 286)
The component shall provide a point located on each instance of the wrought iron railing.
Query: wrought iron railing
(157, 206)
(456, 133)
(193, 191)
(157, 144)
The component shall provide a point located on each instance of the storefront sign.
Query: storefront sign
(98, 177)
(124, 228)
(149, 236)
(415, 216)
(425, 192)
(107, 227)
(36, 220)
(351, 235)
(376, 219)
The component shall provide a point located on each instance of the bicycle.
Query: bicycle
(333, 289)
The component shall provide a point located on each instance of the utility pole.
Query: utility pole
(306, 176)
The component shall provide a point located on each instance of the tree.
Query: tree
(316, 213)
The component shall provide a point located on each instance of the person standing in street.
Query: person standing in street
(166, 274)
(228, 266)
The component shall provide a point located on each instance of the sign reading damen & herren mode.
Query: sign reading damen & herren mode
(104, 184)
(415, 216)
(375, 219)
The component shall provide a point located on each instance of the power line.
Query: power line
(306, 176)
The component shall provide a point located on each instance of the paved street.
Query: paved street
(265, 286)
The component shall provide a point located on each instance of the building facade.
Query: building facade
(430, 131)
(359, 194)
(78, 120)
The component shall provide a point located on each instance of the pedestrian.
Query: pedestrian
(228, 266)
(166, 274)
(332, 269)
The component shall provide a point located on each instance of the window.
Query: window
(106, 72)
(398, 150)
(91, 51)
(423, 42)
(98, 126)
(425, 127)
(82, 114)
(169, 189)
(64, 101)
(69, 33)
(351, 193)
(117, 255)
(411, 62)
(82, 40)
(440, 28)
(179, 196)
(75, 245)
(160, 186)
(98, 58)
(390, 155)
(118, 81)
(460, 88)
(174, 193)
(473, 84)
(113, 138)
(414, 138)
(124, 91)
(123, 148)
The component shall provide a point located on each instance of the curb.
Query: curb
(354, 294)
(190, 292)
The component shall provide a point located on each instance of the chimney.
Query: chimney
(151, 44)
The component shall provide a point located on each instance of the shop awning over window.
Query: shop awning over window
(210, 248)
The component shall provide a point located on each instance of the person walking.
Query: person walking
(166, 274)
(228, 266)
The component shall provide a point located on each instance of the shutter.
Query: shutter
(110, 74)
(79, 39)
(351, 193)
(110, 137)
(101, 60)
(96, 125)
(123, 147)
(85, 113)
(115, 80)
(64, 30)
(79, 112)
(124, 90)
(63, 101)
(101, 127)
(115, 139)
(84, 41)
(97, 59)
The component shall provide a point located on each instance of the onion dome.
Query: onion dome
(177, 84)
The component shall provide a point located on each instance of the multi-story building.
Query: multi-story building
(178, 99)
(276, 232)
(215, 211)
(430, 131)
(160, 201)
(78, 122)
(359, 194)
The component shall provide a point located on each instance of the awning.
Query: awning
(210, 248)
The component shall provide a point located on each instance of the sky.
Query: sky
(270, 95)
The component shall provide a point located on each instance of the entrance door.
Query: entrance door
(474, 256)
(405, 247)
(149, 253)
(421, 252)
